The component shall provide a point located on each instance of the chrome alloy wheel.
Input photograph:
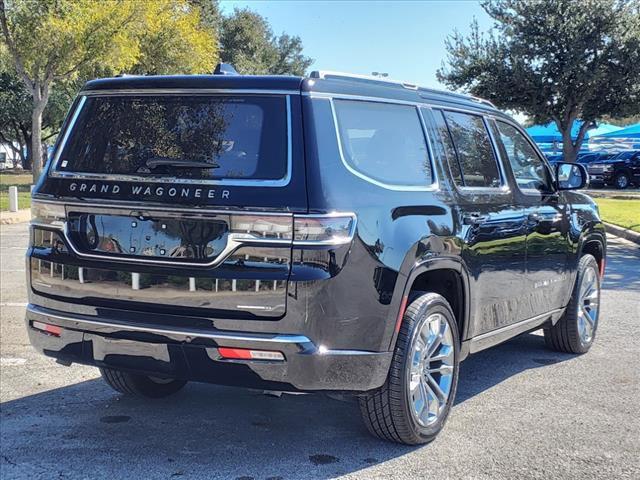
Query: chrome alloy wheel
(431, 373)
(622, 181)
(588, 300)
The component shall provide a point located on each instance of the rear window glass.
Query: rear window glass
(196, 137)
(385, 142)
(471, 142)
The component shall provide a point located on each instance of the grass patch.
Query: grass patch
(21, 180)
(624, 213)
(24, 200)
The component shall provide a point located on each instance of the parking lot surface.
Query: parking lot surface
(522, 411)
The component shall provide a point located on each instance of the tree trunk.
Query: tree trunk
(569, 150)
(25, 145)
(36, 137)
(26, 160)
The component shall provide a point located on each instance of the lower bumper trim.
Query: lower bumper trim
(193, 355)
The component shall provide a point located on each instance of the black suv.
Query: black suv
(332, 233)
(620, 171)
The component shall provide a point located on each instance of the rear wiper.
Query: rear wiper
(176, 162)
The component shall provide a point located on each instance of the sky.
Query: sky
(405, 39)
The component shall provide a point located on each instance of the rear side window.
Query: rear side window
(476, 162)
(384, 142)
(181, 136)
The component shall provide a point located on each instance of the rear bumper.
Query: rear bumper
(193, 354)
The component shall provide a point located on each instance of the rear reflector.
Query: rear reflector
(403, 307)
(246, 354)
(45, 327)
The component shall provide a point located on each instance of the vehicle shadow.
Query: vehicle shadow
(623, 266)
(216, 432)
(483, 370)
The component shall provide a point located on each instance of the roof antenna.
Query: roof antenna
(225, 69)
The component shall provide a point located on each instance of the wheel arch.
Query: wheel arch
(594, 244)
(445, 276)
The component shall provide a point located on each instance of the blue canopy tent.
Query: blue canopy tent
(549, 133)
(632, 131)
(622, 139)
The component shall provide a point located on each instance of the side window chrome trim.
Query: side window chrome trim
(434, 185)
(425, 104)
(55, 173)
(504, 188)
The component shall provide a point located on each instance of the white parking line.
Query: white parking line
(12, 362)
(13, 304)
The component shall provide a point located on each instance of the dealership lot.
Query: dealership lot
(521, 411)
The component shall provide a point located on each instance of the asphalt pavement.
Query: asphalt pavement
(522, 411)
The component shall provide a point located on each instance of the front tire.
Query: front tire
(576, 330)
(414, 403)
(140, 385)
(621, 181)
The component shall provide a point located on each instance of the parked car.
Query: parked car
(324, 234)
(586, 158)
(554, 158)
(621, 171)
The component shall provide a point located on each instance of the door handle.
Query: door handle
(474, 219)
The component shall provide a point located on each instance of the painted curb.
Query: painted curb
(623, 232)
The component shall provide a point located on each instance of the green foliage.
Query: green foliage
(251, 47)
(15, 114)
(49, 48)
(555, 60)
(63, 42)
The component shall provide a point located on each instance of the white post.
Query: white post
(135, 281)
(192, 284)
(13, 199)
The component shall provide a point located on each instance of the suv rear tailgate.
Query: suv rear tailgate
(145, 230)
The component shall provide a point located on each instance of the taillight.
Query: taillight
(271, 227)
(329, 229)
(50, 215)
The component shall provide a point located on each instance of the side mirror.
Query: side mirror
(571, 176)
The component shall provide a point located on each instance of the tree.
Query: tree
(58, 42)
(555, 60)
(249, 44)
(15, 115)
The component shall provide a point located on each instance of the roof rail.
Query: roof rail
(324, 74)
(353, 76)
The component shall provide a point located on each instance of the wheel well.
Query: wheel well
(594, 247)
(447, 283)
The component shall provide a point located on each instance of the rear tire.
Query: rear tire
(140, 385)
(422, 365)
(576, 330)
